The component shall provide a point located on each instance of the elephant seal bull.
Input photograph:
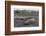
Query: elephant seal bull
(30, 21)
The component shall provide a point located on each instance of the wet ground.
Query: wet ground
(20, 23)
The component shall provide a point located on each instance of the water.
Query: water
(20, 23)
